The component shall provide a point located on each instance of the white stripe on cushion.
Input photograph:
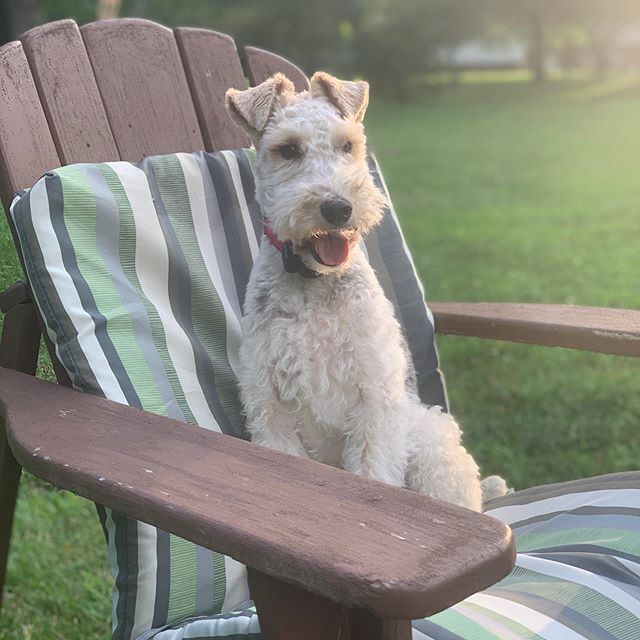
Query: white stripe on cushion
(70, 299)
(146, 582)
(237, 585)
(155, 286)
(418, 635)
(480, 617)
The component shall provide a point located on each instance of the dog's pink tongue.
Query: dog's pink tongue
(332, 249)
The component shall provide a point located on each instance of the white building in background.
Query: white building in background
(623, 52)
(478, 54)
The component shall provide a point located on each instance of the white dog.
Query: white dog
(324, 364)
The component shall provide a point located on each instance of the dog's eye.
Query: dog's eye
(290, 151)
(347, 146)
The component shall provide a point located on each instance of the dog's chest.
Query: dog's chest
(330, 342)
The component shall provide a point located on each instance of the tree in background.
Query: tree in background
(399, 41)
(17, 16)
(570, 25)
(393, 43)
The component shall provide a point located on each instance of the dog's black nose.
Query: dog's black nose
(336, 211)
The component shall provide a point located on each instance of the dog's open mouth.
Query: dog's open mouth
(334, 247)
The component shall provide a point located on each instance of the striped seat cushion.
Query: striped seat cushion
(139, 271)
(577, 574)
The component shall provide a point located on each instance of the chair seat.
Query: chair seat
(577, 575)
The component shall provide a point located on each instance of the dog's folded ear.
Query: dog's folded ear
(350, 98)
(252, 108)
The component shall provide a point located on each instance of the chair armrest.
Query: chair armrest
(355, 541)
(614, 331)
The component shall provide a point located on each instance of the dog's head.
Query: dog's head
(313, 182)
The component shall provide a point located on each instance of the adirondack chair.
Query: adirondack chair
(127, 89)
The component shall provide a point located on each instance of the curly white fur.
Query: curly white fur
(324, 364)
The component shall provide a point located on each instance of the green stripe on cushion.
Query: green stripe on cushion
(96, 240)
(158, 342)
(182, 596)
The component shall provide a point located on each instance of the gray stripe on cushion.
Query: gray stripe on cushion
(249, 189)
(220, 244)
(126, 545)
(234, 231)
(205, 580)
(582, 517)
(163, 579)
(587, 548)
(625, 480)
(435, 631)
(411, 305)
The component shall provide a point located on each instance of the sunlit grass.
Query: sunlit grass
(515, 193)
(506, 192)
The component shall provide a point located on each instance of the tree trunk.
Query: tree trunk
(20, 16)
(5, 28)
(538, 46)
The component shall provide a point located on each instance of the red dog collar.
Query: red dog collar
(268, 231)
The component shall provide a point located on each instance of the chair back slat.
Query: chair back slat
(212, 65)
(26, 146)
(143, 86)
(69, 93)
(262, 64)
(118, 89)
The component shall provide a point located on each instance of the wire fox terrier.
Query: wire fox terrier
(324, 363)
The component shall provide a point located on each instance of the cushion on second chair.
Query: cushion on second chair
(139, 271)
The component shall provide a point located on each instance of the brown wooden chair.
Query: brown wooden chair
(127, 89)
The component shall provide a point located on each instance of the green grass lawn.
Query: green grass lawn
(506, 192)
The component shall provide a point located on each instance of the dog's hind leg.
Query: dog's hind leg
(494, 487)
(439, 466)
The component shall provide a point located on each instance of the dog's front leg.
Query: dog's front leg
(272, 424)
(376, 443)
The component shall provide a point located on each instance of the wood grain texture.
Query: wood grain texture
(365, 626)
(262, 64)
(613, 331)
(26, 146)
(289, 613)
(18, 350)
(212, 65)
(360, 543)
(10, 472)
(143, 86)
(16, 294)
(69, 93)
